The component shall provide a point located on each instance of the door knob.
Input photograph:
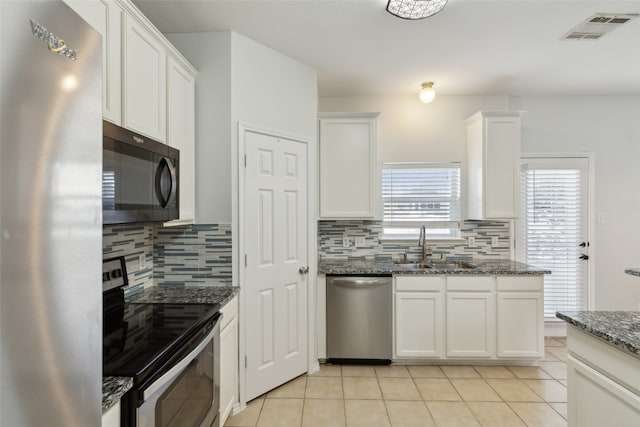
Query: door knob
(303, 270)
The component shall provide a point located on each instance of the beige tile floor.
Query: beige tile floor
(408, 396)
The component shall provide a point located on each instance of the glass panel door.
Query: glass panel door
(552, 232)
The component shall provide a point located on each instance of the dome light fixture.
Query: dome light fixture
(427, 94)
(415, 9)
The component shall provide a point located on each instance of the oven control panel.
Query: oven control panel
(114, 273)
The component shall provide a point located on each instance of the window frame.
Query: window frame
(453, 226)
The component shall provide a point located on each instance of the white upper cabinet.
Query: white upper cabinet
(348, 166)
(144, 81)
(493, 154)
(181, 132)
(106, 17)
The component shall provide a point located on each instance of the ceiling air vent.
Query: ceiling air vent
(598, 25)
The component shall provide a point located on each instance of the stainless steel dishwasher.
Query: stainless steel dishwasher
(359, 322)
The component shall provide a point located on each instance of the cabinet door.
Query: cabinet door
(520, 325)
(348, 168)
(229, 360)
(144, 81)
(501, 167)
(470, 324)
(181, 131)
(106, 17)
(111, 418)
(419, 324)
(596, 400)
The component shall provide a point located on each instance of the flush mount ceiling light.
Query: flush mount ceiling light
(415, 9)
(427, 94)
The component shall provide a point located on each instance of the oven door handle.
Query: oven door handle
(179, 367)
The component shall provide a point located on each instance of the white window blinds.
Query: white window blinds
(421, 193)
(554, 225)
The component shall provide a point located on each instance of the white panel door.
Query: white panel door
(275, 240)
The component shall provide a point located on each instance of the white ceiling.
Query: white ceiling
(472, 47)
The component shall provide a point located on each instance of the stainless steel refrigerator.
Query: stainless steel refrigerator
(50, 217)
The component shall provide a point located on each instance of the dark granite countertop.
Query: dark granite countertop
(382, 267)
(633, 271)
(621, 329)
(113, 388)
(174, 294)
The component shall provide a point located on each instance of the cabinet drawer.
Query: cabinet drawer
(420, 283)
(520, 283)
(471, 283)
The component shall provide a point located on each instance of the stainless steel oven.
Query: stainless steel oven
(187, 395)
(171, 350)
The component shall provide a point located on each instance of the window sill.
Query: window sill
(429, 241)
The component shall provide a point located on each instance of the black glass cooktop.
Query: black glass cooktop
(139, 338)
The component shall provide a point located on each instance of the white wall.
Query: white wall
(240, 80)
(210, 54)
(610, 128)
(607, 126)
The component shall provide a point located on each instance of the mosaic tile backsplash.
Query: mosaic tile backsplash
(131, 241)
(191, 255)
(330, 234)
(195, 255)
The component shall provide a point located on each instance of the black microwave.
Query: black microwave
(140, 178)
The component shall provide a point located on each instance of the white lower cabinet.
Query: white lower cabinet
(111, 418)
(419, 319)
(469, 317)
(603, 383)
(471, 324)
(229, 359)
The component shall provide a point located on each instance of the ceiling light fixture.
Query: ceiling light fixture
(415, 9)
(427, 94)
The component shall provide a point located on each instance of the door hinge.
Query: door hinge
(245, 160)
(246, 364)
(245, 260)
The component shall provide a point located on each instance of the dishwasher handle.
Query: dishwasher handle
(358, 282)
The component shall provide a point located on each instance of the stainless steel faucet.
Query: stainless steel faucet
(422, 242)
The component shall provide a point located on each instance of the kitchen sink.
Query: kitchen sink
(450, 265)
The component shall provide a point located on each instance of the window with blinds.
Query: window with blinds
(553, 228)
(421, 193)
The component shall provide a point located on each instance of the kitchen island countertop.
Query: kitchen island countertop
(620, 329)
(113, 388)
(384, 267)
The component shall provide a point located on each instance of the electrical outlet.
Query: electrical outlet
(360, 241)
(494, 241)
(471, 241)
(345, 242)
(142, 261)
